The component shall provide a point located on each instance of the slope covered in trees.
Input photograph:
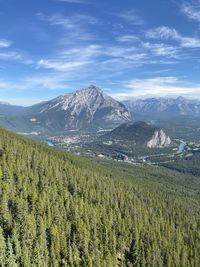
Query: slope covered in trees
(60, 210)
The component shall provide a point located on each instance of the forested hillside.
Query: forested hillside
(60, 210)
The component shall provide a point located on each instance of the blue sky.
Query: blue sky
(129, 48)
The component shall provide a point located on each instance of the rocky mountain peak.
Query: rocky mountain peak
(90, 90)
(81, 109)
(181, 98)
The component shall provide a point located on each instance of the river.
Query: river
(181, 146)
(50, 143)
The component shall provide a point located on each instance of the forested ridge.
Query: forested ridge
(60, 210)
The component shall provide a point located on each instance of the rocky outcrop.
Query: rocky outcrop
(140, 134)
(159, 139)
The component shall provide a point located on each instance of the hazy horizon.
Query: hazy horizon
(120, 99)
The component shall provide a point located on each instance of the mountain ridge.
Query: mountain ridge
(91, 108)
(87, 108)
(170, 107)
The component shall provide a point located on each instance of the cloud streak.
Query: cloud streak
(5, 43)
(191, 10)
(166, 33)
(61, 66)
(127, 38)
(158, 86)
(160, 49)
(132, 17)
(74, 28)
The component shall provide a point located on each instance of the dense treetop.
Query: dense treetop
(60, 210)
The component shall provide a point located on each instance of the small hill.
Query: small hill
(10, 110)
(140, 133)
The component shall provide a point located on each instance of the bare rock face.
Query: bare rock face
(159, 139)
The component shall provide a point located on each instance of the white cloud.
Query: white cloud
(35, 83)
(71, 22)
(122, 52)
(162, 32)
(5, 43)
(72, 59)
(5, 85)
(10, 55)
(91, 56)
(107, 60)
(83, 52)
(127, 38)
(49, 81)
(167, 33)
(191, 10)
(75, 28)
(160, 49)
(132, 17)
(61, 66)
(157, 87)
(189, 42)
(15, 56)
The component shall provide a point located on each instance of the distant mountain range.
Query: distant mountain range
(91, 109)
(83, 109)
(163, 107)
(9, 110)
(140, 133)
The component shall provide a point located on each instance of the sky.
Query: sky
(131, 48)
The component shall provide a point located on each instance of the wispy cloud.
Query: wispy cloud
(72, 59)
(6, 85)
(9, 54)
(132, 17)
(92, 58)
(71, 22)
(50, 81)
(16, 56)
(61, 66)
(160, 49)
(191, 10)
(76, 26)
(158, 86)
(108, 60)
(35, 82)
(166, 33)
(5, 43)
(127, 38)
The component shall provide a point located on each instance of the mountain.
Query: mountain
(164, 107)
(140, 133)
(82, 109)
(9, 110)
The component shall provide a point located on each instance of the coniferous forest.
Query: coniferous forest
(60, 210)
